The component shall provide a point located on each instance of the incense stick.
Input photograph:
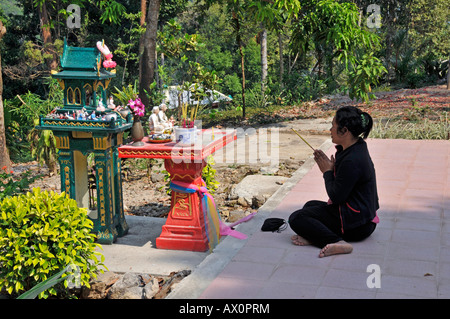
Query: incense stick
(303, 139)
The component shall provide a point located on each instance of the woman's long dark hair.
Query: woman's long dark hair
(356, 121)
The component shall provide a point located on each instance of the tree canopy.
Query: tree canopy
(258, 52)
(321, 39)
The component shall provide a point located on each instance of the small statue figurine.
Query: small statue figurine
(162, 113)
(154, 123)
(165, 122)
(110, 103)
(100, 106)
(79, 114)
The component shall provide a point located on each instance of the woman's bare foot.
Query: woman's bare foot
(299, 241)
(341, 247)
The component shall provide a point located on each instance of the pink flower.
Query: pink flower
(109, 64)
(137, 107)
(139, 102)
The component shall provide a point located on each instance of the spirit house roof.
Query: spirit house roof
(82, 63)
(84, 80)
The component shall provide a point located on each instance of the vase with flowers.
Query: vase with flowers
(186, 133)
(137, 131)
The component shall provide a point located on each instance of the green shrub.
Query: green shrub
(209, 175)
(42, 233)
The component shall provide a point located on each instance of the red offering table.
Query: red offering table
(185, 225)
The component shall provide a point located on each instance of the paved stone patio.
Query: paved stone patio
(411, 244)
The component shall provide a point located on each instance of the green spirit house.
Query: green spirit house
(86, 125)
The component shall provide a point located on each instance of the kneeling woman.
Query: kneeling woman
(350, 213)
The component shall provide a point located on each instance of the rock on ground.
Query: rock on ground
(254, 189)
(110, 285)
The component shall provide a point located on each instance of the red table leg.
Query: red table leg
(185, 226)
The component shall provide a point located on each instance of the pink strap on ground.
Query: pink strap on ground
(227, 229)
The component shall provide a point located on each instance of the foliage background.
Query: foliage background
(414, 47)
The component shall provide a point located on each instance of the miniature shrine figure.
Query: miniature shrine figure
(100, 107)
(110, 103)
(162, 113)
(80, 115)
(163, 120)
(85, 114)
(153, 121)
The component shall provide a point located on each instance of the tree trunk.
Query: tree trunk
(241, 52)
(141, 39)
(4, 155)
(263, 60)
(44, 22)
(243, 80)
(280, 46)
(143, 10)
(319, 53)
(148, 58)
(448, 74)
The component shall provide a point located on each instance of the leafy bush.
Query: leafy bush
(255, 98)
(303, 87)
(43, 147)
(25, 111)
(415, 80)
(42, 233)
(209, 175)
(367, 72)
(231, 84)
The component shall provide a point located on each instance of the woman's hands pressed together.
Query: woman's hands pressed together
(322, 160)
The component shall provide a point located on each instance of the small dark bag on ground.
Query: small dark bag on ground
(274, 225)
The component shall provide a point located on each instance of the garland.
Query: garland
(214, 226)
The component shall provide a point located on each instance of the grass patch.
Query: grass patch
(426, 129)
